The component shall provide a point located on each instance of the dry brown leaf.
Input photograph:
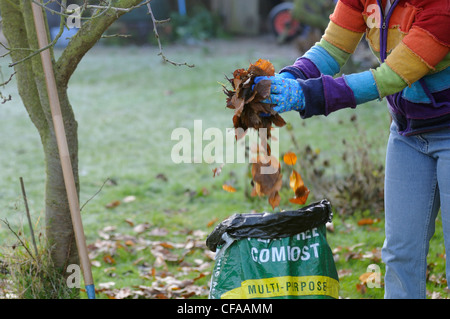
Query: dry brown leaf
(129, 222)
(109, 259)
(113, 204)
(367, 221)
(129, 199)
(274, 200)
(212, 222)
(217, 170)
(367, 277)
(300, 190)
(267, 184)
(141, 228)
(246, 96)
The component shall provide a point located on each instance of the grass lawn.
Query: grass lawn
(127, 103)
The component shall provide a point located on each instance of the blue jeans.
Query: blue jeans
(417, 185)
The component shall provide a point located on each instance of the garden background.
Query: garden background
(146, 218)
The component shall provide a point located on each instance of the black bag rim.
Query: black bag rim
(271, 225)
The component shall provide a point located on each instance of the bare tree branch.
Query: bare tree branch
(86, 37)
(9, 80)
(36, 52)
(91, 31)
(3, 98)
(155, 30)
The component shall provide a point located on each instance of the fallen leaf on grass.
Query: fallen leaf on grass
(367, 221)
(129, 222)
(109, 260)
(367, 277)
(141, 228)
(361, 288)
(158, 232)
(129, 199)
(113, 204)
(158, 281)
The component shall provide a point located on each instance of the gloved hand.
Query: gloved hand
(285, 75)
(285, 92)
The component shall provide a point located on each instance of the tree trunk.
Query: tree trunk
(59, 228)
(19, 30)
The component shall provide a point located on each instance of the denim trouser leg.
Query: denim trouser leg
(417, 184)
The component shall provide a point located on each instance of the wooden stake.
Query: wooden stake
(24, 194)
(63, 148)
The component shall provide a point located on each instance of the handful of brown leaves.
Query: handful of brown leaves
(245, 98)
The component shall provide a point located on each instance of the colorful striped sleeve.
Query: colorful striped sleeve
(344, 32)
(421, 51)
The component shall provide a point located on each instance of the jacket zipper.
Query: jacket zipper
(385, 27)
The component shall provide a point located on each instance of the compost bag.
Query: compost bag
(274, 255)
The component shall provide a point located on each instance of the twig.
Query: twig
(61, 30)
(155, 30)
(63, 8)
(106, 36)
(28, 215)
(92, 197)
(5, 99)
(9, 80)
(93, 6)
(5, 221)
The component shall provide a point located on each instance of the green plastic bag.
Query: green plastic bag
(289, 257)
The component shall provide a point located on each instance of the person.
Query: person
(411, 38)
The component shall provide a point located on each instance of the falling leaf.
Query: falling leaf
(300, 190)
(216, 171)
(212, 222)
(290, 158)
(274, 200)
(229, 188)
(267, 179)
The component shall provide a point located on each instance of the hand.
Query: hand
(285, 92)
